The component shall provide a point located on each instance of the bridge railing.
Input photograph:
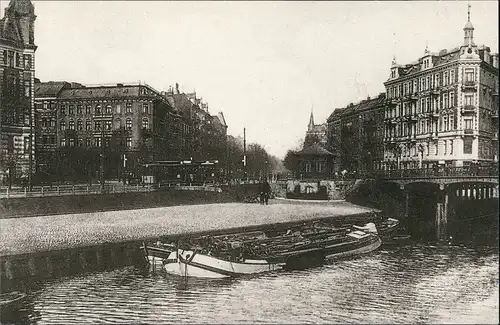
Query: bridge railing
(468, 171)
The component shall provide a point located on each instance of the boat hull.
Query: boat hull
(190, 264)
(355, 248)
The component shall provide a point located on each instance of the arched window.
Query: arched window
(109, 110)
(98, 110)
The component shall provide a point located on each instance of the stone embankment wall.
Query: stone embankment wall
(53, 205)
(335, 189)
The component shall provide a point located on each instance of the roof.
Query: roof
(50, 89)
(222, 119)
(111, 92)
(314, 150)
(366, 104)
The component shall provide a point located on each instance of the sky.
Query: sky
(265, 65)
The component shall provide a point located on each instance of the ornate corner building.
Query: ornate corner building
(17, 73)
(443, 108)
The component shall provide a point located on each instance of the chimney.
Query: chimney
(494, 60)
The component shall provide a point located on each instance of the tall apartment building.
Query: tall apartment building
(17, 73)
(117, 130)
(355, 136)
(443, 108)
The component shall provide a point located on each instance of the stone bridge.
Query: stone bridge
(451, 192)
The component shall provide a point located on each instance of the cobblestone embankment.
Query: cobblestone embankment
(49, 233)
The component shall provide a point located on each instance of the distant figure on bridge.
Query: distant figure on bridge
(265, 190)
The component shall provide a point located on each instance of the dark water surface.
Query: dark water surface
(417, 283)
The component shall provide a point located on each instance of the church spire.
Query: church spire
(311, 121)
(468, 30)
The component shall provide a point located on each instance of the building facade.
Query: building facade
(112, 131)
(442, 110)
(17, 73)
(355, 136)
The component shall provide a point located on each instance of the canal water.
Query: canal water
(415, 283)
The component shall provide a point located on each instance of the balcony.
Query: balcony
(432, 136)
(433, 114)
(411, 118)
(469, 85)
(435, 92)
(414, 96)
(468, 131)
(392, 102)
(468, 109)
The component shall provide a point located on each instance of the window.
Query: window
(436, 80)
(79, 125)
(71, 142)
(71, 110)
(118, 109)
(26, 145)
(107, 141)
(145, 108)
(63, 126)
(445, 101)
(71, 125)
(468, 145)
(129, 142)
(128, 124)
(98, 110)
(27, 88)
(53, 123)
(107, 125)
(128, 108)
(451, 147)
(97, 125)
(5, 57)
(97, 141)
(469, 100)
(445, 122)
(145, 123)
(451, 122)
(63, 142)
(452, 99)
(452, 76)
(109, 110)
(469, 75)
(27, 61)
(88, 125)
(468, 123)
(445, 78)
(88, 142)
(63, 110)
(79, 109)
(88, 109)
(18, 59)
